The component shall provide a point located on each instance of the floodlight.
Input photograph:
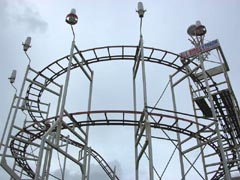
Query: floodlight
(140, 10)
(13, 76)
(196, 29)
(27, 43)
(72, 18)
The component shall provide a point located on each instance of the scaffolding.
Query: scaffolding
(210, 130)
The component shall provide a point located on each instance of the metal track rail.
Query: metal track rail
(33, 132)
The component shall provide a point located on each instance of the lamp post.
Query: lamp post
(146, 127)
(141, 12)
(71, 19)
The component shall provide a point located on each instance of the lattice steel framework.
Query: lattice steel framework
(210, 129)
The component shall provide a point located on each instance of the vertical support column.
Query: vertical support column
(65, 159)
(64, 96)
(59, 100)
(143, 73)
(149, 140)
(144, 127)
(51, 139)
(178, 135)
(42, 146)
(224, 161)
(40, 157)
(144, 123)
(45, 165)
(135, 128)
(7, 123)
(86, 166)
(89, 161)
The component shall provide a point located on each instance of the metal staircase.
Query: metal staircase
(225, 107)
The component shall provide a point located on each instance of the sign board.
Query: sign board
(203, 48)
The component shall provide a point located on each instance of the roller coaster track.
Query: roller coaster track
(26, 137)
(35, 131)
(29, 134)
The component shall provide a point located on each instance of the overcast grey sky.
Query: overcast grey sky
(102, 23)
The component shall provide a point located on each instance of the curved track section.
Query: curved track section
(28, 135)
(123, 118)
(95, 55)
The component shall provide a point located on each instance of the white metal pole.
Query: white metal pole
(44, 172)
(59, 100)
(50, 139)
(65, 159)
(143, 73)
(150, 156)
(148, 127)
(89, 161)
(135, 128)
(7, 123)
(84, 175)
(178, 135)
(65, 93)
(40, 155)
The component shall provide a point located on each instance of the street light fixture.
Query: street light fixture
(197, 29)
(26, 46)
(27, 43)
(13, 76)
(72, 18)
(141, 10)
(197, 32)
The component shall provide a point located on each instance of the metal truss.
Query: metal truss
(42, 132)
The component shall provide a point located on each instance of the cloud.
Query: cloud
(96, 172)
(20, 13)
(69, 175)
(31, 19)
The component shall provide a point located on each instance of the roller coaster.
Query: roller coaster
(209, 130)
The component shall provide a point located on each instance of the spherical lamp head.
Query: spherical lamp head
(197, 29)
(72, 18)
